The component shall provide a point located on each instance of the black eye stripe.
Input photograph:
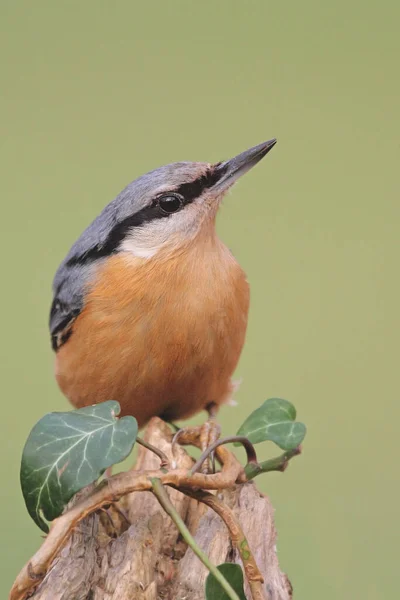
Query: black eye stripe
(118, 233)
(187, 191)
(192, 190)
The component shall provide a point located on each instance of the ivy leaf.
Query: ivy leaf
(67, 451)
(233, 574)
(274, 421)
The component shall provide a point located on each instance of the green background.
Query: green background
(95, 93)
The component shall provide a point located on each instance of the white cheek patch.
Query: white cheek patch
(145, 241)
(130, 245)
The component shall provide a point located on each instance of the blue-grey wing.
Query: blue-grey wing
(69, 287)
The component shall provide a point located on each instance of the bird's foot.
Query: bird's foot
(210, 432)
(202, 437)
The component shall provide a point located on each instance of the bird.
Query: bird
(150, 307)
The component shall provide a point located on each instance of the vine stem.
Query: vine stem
(237, 439)
(279, 463)
(162, 496)
(161, 455)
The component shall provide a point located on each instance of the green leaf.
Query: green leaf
(233, 574)
(68, 450)
(274, 421)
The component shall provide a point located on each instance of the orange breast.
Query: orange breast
(162, 336)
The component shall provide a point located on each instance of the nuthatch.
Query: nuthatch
(150, 307)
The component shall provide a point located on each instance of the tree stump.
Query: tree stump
(133, 550)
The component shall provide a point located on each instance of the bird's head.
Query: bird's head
(165, 208)
(170, 205)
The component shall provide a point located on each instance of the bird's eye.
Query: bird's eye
(170, 203)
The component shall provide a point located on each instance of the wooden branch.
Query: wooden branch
(99, 555)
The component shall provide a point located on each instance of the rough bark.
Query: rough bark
(141, 556)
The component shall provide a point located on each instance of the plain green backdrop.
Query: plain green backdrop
(95, 93)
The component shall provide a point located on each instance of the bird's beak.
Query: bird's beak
(230, 170)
